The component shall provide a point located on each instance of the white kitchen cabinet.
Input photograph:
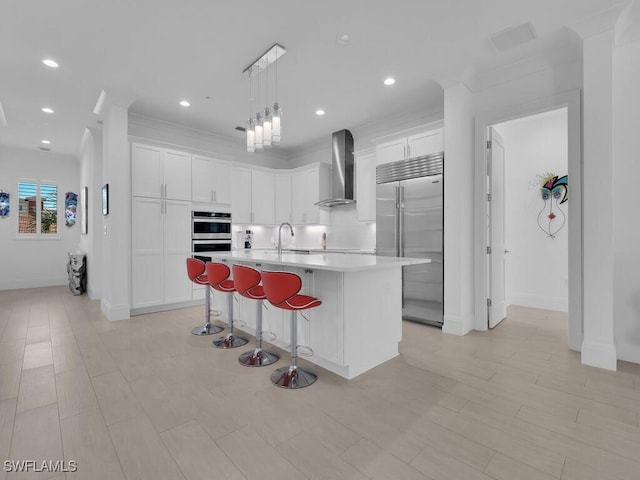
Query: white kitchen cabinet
(160, 173)
(282, 198)
(309, 186)
(366, 187)
(262, 197)
(416, 145)
(161, 241)
(252, 196)
(210, 180)
(241, 195)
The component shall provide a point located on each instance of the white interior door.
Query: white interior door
(497, 307)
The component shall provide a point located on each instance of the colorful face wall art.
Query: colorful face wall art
(5, 204)
(70, 207)
(554, 192)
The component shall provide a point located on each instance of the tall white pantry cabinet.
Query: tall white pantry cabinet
(161, 226)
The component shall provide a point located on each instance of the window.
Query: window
(38, 209)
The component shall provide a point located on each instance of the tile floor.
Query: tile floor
(145, 399)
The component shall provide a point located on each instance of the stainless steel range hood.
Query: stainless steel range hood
(341, 170)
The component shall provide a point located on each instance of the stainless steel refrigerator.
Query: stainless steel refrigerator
(409, 223)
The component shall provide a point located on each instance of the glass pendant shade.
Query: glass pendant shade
(259, 138)
(276, 124)
(251, 136)
(266, 127)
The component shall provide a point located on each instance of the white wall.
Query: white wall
(537, 265)
(36, 263)
(626, 198)
(91, 177)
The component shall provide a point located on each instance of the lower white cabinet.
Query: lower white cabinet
(161, 242)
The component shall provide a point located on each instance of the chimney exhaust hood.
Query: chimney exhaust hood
(341, 170)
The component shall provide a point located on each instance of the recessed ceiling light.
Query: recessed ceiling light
(47, 110)
(344, 39)
(319, 112)
(184, 103)
(46, 142)
(50, 63)
(389, 81)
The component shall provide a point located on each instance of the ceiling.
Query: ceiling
(158, 52)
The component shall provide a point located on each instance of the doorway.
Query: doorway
(527, 214)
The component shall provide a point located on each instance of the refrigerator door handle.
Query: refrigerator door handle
(400, 222)
(396, 237)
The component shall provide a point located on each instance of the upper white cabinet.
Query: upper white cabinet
(263, 197)
(366, 186)
(416, 145)
(252, 196)
(309, 186)
(283, 198)
(160, 173)
(210, 180)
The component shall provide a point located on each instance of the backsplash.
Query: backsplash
(344, 232)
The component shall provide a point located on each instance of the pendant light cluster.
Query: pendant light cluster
(265, 128)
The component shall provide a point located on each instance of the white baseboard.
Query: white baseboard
(457, 325)
(601, 355)
(33, 283)
(559, 304)
(115, 312)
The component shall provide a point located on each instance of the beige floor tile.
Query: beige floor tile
(10, 380)
(37, 355)
(378, 464)
(75, 393)
(86, 441)
(97, 359)
(198, 457)
(7, 418)
(37, 388)
(165, 407)
(116, 399)
(66, 356)
(36, 436)
(11, 352)
(264, 462)
(440, 466)
(38, 334)
(142, 454)
(16, 329)
(502, 467)
(336, 436)
(308, 454)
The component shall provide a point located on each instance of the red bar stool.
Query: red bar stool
(218, 274)
(281, 289)
(247, 284)
(196, 273)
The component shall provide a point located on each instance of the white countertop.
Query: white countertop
(339, 262)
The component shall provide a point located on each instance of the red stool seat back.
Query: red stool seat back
(218, 273)
(281, 289)
(246, 279)
(195, 270)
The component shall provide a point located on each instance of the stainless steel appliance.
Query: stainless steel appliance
(409, 223)
(210, 232)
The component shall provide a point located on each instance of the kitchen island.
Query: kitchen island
(359, 324)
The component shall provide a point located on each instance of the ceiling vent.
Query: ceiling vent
(513, 36)
(45, 149)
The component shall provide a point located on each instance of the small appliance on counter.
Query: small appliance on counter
(248, 237)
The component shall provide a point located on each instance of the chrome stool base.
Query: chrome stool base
(209, 329)
(292, 377)
(230, 341)
(257, 358)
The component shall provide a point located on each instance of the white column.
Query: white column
(116, 234)
(598, 348)
(458, 209)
